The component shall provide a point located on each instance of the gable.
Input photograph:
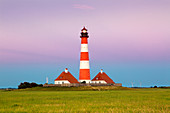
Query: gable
(67, 76)
(103, 76)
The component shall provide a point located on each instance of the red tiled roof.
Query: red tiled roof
(103, 76)
(67, 76)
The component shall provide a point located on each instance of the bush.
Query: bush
(33, 85)
(155, 87)
(28, 85)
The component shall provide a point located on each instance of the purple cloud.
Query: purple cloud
(80, 6)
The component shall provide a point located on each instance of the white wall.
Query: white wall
(84, 47)
(61, 82)
(99, 81)
(84, 65)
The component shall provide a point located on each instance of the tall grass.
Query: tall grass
(116, 101)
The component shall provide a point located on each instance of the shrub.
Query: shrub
(155, 87)
(28, 85)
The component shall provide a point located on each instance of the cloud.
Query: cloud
(79, 6)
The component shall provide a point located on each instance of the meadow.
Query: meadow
(114, 101)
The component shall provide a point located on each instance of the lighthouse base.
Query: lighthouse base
(85, 81)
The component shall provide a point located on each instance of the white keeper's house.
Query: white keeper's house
(65, 78)
(102, 78)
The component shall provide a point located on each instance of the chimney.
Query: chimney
(66, 70)
(101, 71)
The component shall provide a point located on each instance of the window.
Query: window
(58, 82)
(99, 82)
(62, 82)
(97, 78)
(61, 77)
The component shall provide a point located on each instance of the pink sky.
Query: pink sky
(121, 31)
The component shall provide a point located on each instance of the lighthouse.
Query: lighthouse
(67, 79)
(84, 75)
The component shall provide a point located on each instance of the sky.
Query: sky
(128, 39)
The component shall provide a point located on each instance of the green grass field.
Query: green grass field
(116, 101)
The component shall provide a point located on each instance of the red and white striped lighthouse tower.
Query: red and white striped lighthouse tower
(84, 75)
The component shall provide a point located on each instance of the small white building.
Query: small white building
(102, 78)
(65, 78)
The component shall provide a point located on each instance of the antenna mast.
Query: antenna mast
(47, 80)
(132, 84)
